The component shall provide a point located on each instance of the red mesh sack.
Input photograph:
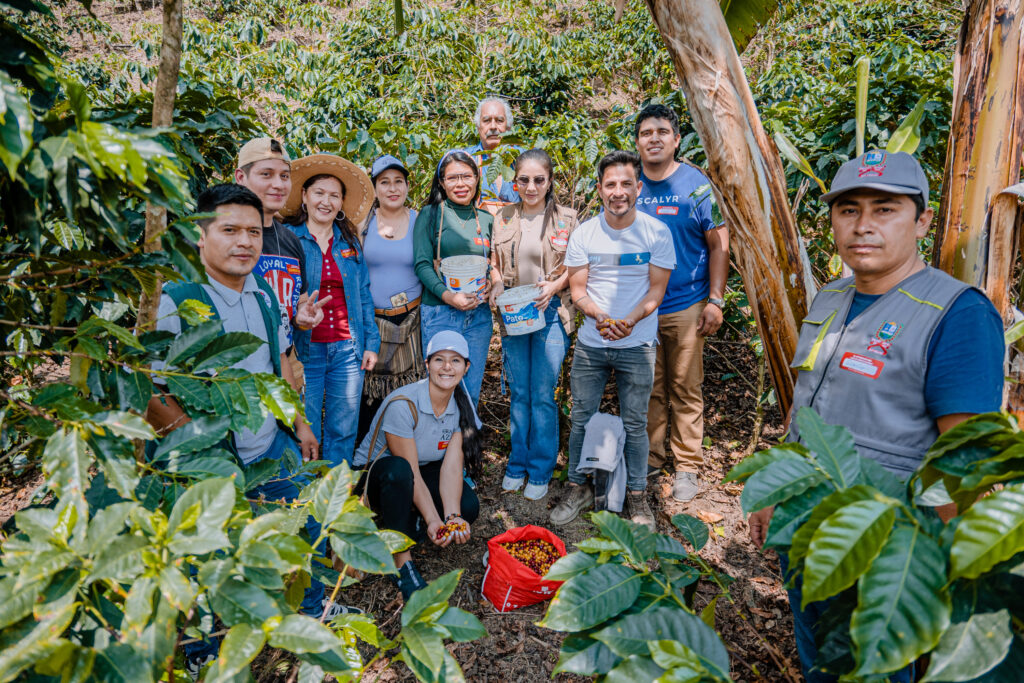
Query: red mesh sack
(508, 583)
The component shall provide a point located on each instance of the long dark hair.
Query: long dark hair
(437, 191)
(344, 223)
(541, 157)
(471, 451)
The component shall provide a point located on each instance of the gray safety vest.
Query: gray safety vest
(869, 376)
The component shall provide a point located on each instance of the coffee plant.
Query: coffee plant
(899, 583)
(627, 605)
(134, 545)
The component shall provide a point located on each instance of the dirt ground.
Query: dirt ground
(756, 625)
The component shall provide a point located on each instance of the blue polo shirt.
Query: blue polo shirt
(688, 217)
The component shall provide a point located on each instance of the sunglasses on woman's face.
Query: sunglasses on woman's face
(539, 181)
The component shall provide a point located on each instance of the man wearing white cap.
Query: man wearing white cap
(897, 354)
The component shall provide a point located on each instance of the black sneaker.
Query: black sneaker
(408, 580)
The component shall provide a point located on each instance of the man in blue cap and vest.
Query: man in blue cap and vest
(898, 353)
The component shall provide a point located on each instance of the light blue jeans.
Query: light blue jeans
(475, 325)
(634, 377)
(532, 365)
(334, 384)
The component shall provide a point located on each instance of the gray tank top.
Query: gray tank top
(869, 375)
(390, 263)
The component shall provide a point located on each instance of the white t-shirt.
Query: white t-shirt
(619, 275)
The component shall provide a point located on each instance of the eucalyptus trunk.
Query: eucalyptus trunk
(747, 177)
(980, 216)
(984, 154)
(163, 115)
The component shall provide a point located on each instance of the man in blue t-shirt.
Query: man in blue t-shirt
(680, 196)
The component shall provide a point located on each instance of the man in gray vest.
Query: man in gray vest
(898, 353)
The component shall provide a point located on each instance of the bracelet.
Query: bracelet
(580, 300)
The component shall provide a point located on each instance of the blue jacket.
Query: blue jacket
(357, 291)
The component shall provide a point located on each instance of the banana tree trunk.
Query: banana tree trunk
(980, 217)
(746, 174)
(163, 114)
(984, 154)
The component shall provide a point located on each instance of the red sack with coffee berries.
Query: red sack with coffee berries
(509, 583)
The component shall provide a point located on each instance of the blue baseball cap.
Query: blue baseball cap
(447, 340)
(386, 163)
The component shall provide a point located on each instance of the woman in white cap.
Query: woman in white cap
(530, 238)
(329, 196)
(422, 437)
(387, 245)
(450, 224)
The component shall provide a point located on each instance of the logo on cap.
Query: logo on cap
(873, 164)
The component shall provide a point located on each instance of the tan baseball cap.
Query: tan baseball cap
(259, 149)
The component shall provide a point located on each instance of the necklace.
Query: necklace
(389, 231)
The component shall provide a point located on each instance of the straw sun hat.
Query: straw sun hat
(358, 188)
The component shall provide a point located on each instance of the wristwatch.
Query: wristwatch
(718, 302)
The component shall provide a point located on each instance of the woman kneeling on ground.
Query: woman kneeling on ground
(530, 238)
(421, 438)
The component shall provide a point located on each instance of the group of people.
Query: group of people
(348, 293)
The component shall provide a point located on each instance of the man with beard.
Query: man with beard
(619, 264)
(493, 119)
(680, 195)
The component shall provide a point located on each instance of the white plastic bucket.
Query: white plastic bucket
(466, 274)
(519, 310)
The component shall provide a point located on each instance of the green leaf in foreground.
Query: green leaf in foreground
(595, 595)
(694, 531)
(843, 547)
(990, 532)
(631, 635)
(903, 606)
(778, 482)
(969, 649)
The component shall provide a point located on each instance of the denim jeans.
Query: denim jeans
(334, 385)
(475, 325)
(634, 377)
(532, 365)
(287, 489)
(805, 624)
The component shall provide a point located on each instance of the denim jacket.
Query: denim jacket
(358, 300)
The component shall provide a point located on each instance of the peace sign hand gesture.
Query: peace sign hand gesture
(309, 312)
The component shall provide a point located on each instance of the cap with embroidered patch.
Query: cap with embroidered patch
(260, 149)
(896, 172)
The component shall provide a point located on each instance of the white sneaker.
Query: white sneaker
(512, 483)
(535, 491)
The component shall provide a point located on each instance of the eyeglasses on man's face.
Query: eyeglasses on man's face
(539, 181)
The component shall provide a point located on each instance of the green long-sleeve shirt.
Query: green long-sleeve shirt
(458, 238)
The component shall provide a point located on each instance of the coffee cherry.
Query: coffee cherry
(535, 554)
